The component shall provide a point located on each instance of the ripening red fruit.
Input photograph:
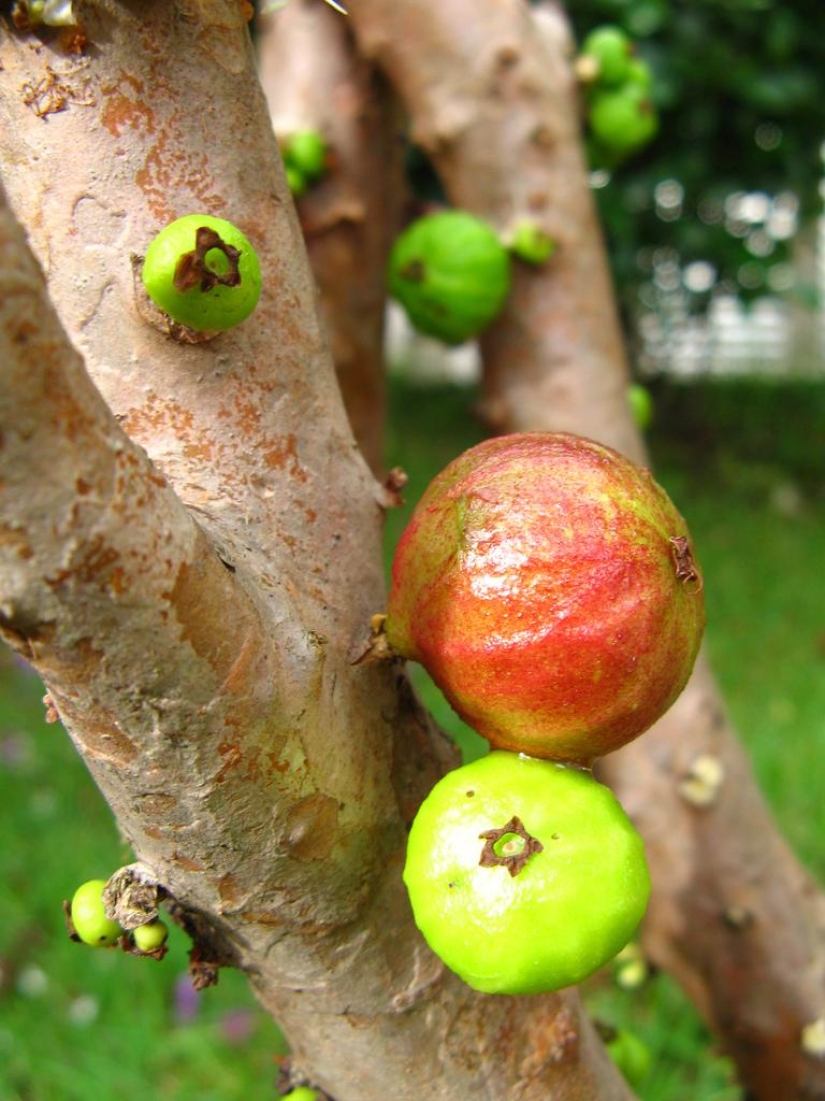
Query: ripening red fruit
(549, 587)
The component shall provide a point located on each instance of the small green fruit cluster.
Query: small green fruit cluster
(621, 115)
(90, 924)
(451, 274)
(203, 273)
(305, 155)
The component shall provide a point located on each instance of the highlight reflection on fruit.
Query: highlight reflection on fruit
(451, 274)
(549, 587)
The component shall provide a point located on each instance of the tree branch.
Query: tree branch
(313, 79)
(205, 669)
(491, 98)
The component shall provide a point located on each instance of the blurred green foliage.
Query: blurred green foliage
(740, 87)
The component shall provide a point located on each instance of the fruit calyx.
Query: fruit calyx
(193, 270)
(686, 569)
(510, 846)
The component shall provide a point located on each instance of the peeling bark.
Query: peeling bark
(492, 99)
(190, 555)
(313, 79)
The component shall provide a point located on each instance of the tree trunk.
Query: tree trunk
(492, 100)
(313, 79)
(190, 557)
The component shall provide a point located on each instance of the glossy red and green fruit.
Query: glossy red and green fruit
(203, 272)
(451, 274)
(88, 915)
(549, 587)
(524, 876)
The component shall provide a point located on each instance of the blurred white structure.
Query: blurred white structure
(689, 324)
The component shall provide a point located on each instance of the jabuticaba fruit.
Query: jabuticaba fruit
(451, 273)
(550, 587)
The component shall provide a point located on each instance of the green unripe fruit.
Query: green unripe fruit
(639, 73)
(631, 1055)
(623, 120)
(524, 875)
(306, 152)
(451, 274)
(88, 915)
(530, 243)
(296, 180)
(203, 272)
(148, 938)
(641, 405)
(612, 51)
(302, 1093)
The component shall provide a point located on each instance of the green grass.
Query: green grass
(745, 466)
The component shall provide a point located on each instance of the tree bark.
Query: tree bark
(190, 555)
(492, 100)
(314, 79)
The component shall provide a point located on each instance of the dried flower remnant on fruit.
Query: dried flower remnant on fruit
(685, 565)
(511, 846)
(194, 270)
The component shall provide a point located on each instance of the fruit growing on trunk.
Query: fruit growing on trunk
(641, 405)
(549, 587)
(203, 272)
(611, 52)
(150, 937)
(524, 876)
(88, 915)
(451, 274)
(624, 119)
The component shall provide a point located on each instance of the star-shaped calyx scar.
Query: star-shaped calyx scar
(510, 846)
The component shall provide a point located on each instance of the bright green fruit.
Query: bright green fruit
(89, 915)
(640, 74)
(612, 51)
(451, 274)
(623, 120)
(529, 242)
(203, 272)
(306, 151)
(148, 938)
(296, 180)
(631, 1055)
(641, 405)
(302, 1093)
(524, 875)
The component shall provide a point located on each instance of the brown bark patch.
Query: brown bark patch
(105, 742)
(313, 825)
